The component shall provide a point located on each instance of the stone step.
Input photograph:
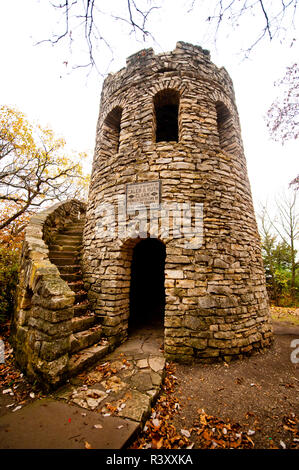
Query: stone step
(76, 286)
(80, 296)
(68, 239)
(85, 339)
(76, 230)
(70, 269)
(72, 232)
(87, 357)
(63, 260)
(81, 309)
(64, 253)
(65, 246)
(83, 322)
(78, 222)
(76, 226)
(69, 277)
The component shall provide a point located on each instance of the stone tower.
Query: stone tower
(170, 231)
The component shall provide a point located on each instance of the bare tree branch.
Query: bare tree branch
(279, 18)
(84, 20)
(283, 114)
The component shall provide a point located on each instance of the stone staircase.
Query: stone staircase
(87, 342)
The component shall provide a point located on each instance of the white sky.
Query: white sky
(34, 79)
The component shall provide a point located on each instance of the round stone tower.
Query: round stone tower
(170, 235)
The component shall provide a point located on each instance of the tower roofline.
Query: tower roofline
(182, 57)
(181, 47)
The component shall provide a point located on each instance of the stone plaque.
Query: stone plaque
(143, 194)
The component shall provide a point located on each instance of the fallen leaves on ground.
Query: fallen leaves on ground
(103, 371)
(291, 424)
(115, 407)
(11, 377)
(207, 432)
(158, 431)
(213, 432)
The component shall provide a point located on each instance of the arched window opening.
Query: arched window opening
(112, 123)
(166, 104)
(225, 128)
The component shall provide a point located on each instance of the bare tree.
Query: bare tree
(283, 114)
(295, 182)
(84, 21)
(274, 18)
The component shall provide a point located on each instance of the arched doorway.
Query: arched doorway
(147, 292)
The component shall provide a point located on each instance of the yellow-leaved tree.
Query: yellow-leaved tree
(34, 167)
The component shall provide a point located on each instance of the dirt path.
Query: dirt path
(253, 403)
(259, 393)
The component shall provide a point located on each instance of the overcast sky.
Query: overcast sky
(36, 79)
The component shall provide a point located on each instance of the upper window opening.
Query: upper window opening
(112, 122)
(225, 127)
(165, 69)
(166, 104)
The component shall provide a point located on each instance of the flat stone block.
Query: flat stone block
(142, 381)
(53, 316)
(157, 363)
(136, 407)
(51, 350)
(174, 274)
(142, 363)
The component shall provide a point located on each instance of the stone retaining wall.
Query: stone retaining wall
(41, 326)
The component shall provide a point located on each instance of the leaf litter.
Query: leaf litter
(209, 432)
(206, 432)
(13, 383)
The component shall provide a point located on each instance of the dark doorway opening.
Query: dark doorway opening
(147, 292)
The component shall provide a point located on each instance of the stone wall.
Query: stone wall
(41, 325)
(216, 300)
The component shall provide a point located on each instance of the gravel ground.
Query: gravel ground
(252, 403)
